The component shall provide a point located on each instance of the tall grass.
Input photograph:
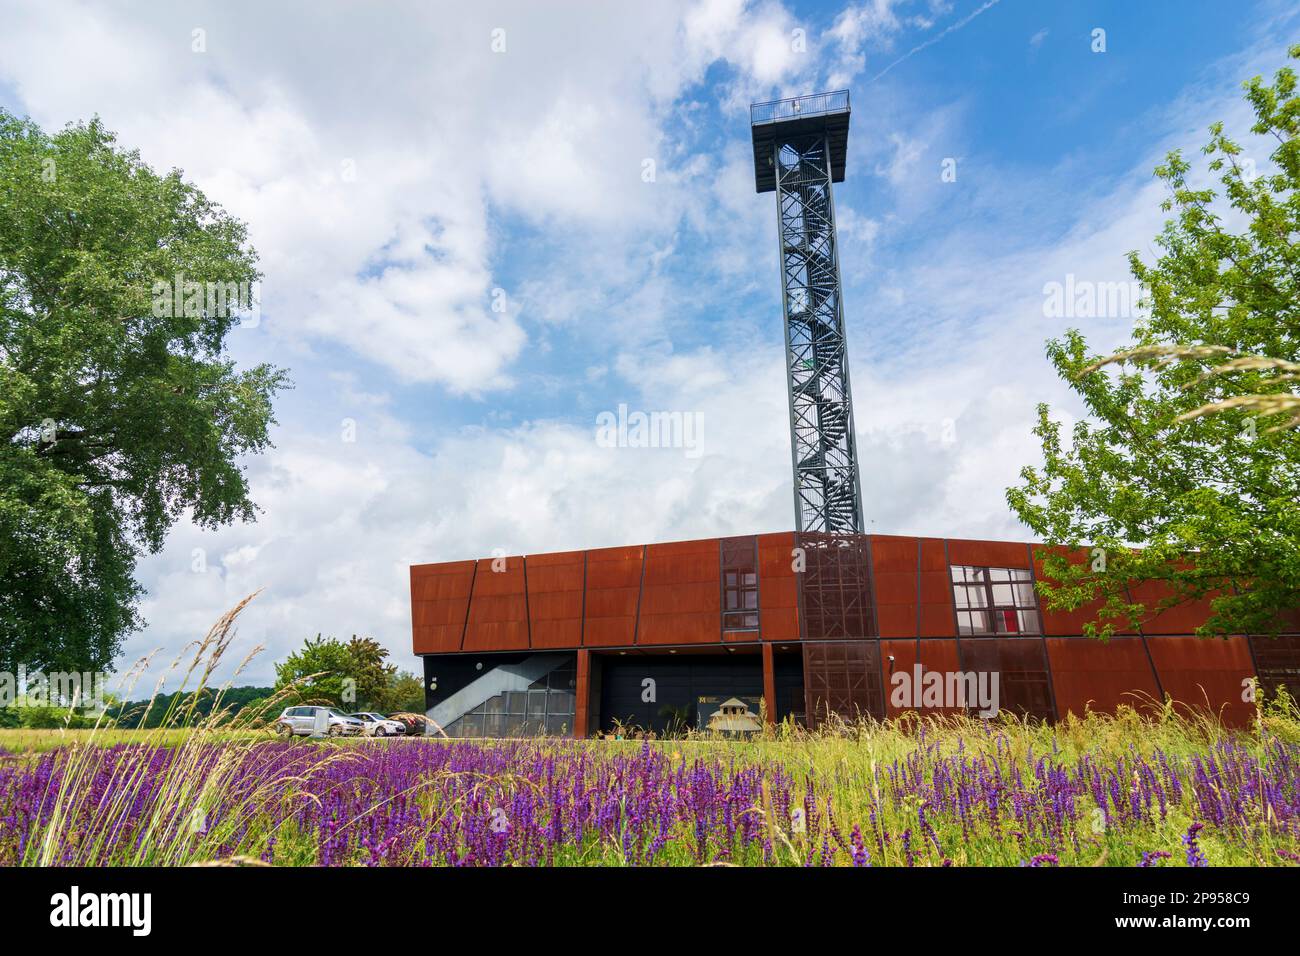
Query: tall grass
(1099, 790)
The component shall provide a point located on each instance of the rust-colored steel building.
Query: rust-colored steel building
(798, 625)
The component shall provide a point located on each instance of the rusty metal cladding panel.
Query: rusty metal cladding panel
(555, 584)
(842, 677)
(498, 609)
(894, 567)
(900, 673)
(1181, 619)
(835, 601)
(439, 601)
(681, 628)
(1090, 675)
(933, 555)
(1068, 623)
(1205, 671)
(893, 553)
(936, 591)
(613, 591)
(679, 598)
(1024, 685)
(1277, 660)
(778, 588)
(988, 554)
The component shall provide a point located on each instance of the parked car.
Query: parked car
(377, 725)
(305, 720)
(417, 725)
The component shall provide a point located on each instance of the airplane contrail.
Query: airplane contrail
(936, 38)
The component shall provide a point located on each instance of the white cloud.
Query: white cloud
(385, 277)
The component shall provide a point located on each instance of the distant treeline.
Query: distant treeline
(136, 714)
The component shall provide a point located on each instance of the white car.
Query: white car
(377, 725)
(315, 720)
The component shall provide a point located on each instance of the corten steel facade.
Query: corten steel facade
(806, 623)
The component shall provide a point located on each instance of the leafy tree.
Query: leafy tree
(405, 694)
(323, 666)
(119, 409)
(373, 677)
(1187, 450)
(350, 675)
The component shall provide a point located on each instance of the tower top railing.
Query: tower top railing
(798, 107)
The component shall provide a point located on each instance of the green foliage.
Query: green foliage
(143, 714)
(351, 675)
(114, 420)
(368, 669)
(404, 695)
(1171, 457)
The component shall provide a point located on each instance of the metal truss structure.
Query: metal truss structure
(799, 148)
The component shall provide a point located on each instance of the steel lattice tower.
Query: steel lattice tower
(799, 150)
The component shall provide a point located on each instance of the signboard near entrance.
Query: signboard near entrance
(728, 715)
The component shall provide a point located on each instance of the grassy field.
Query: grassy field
(1162, 789)
(1168, 790)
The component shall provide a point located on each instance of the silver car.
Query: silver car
(307, 720)
(377, 725)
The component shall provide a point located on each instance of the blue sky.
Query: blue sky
(396, 171)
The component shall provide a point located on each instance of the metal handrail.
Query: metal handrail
(814, 104)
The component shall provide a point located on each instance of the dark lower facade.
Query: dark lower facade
(729, 633)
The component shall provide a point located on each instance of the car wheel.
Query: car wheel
(335, 730)
(381, 732)
(283, 730)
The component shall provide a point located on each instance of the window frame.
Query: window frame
(968, 581)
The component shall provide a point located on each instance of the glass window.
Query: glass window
(739, 558)
(995, 600)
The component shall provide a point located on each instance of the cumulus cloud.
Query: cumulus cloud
(397, 174)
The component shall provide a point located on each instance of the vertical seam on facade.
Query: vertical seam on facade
(952, 602)
(918, 600)
(871, 573)
(722, 591)
(582, 618)
(1042, 633)
(528, 611)
(1151, 661)
(636, 623)
(469, 602)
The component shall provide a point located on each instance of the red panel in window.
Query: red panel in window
(1087, 674)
